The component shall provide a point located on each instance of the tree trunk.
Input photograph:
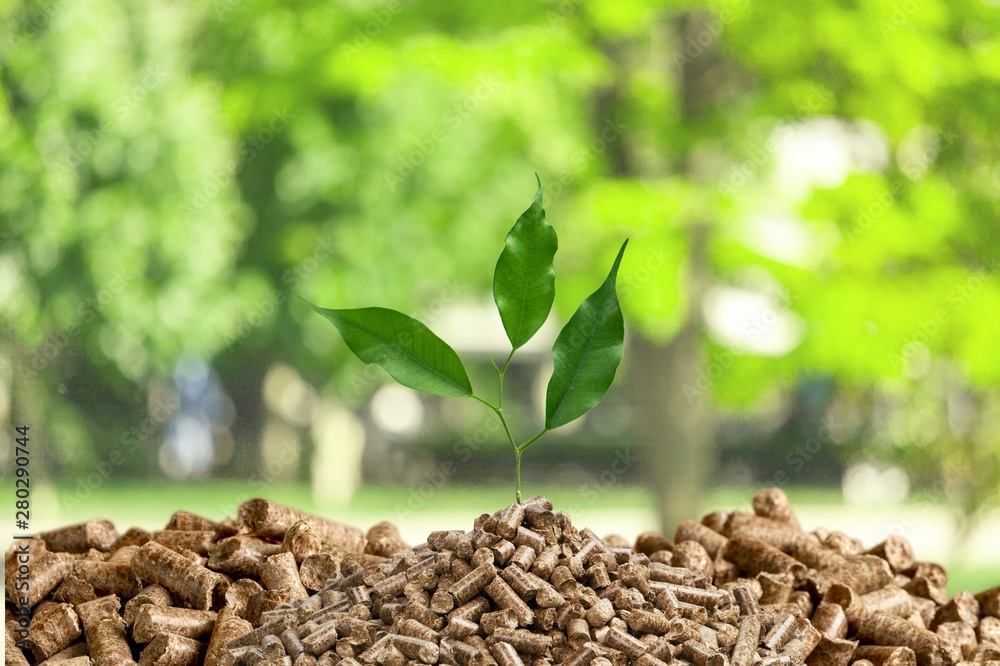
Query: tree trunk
(674, 422)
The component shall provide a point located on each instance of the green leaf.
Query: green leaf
(403, 347)
(524, 281)
(586, 354)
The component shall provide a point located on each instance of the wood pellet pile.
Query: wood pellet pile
(524, 587)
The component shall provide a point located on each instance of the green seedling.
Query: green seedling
(585, 356)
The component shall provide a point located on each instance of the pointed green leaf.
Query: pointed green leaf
(586, 354)
(524, 282)
(403, 347)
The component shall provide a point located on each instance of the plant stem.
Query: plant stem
(524, 446)
(502, 372)
(498, 412)
(517, 463)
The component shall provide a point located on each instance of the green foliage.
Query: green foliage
(524, 280)
(403, 347)
(586, 353)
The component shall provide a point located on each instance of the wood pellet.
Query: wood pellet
(523, 587)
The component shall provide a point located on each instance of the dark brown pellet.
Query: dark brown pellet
(989, 601)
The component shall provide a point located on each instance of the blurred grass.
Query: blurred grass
(149, 504)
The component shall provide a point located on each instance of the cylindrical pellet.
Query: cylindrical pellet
(197, 586)
(280, 571)
(830, 619)
(52, 629)
(30, 578)
(228, 626)
(780, 633)
(272, 520)
(746, 641)
(832, 652)
(773, 503)
(756, 556)
(713, 542)
(152, 620)
(172, 650)
(79, 538)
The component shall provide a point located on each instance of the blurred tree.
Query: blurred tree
(808, 188)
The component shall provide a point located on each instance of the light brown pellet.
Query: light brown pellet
(472, 583)
(108, 645)
(832, 652)
(746, 600)
(746, 641)
(895, 550)
(863, 574)
(885, 629)
(384, 539)
(195, 585)
(53, 628)
(272, 520)
(963, 607)
(172, 650)
(713, 542)
(227, 626)
(701, 655)
(152, 620)
(197, 541)
(36, 575)
(523, 641)
(773, 503)
(884, 655)
(280, 571)
(506, 598)
(780, 632)
(692, 555)
(96, 533)
(756, 556)
(890, 599)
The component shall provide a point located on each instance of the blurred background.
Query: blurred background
(811, 296)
